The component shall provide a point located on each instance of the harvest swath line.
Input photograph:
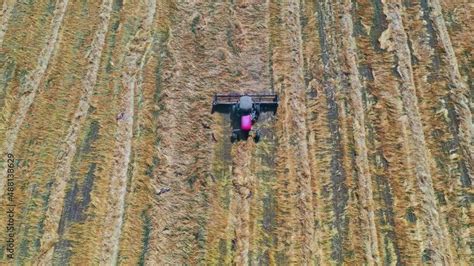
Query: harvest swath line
(134, 61)
(443, 117)
(32, 82)
(242, 183)
(64, 160)
(391, 160)
(437, 240)
(389, 131)
(428, 68)
(285, 249)
(251, 29)
(368, 161)
(459, 90)
(316, 124)
(289, 81)
(358, 124)
(338, 174)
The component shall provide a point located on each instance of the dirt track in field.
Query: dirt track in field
(106, 106)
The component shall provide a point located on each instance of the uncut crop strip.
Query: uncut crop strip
(134, 61)
(64, 160)
(31, 85)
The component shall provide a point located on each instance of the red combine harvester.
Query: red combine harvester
(244, 111)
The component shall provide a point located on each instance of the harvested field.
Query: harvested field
(105, 106)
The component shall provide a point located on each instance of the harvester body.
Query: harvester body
(244, 110)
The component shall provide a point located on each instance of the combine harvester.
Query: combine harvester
(244, 111)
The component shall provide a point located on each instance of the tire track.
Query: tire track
(140, 192)
(358, 125)
(28, 91)
(459, 90)
(396, 39)
(64, 160)
(7, 9)
(134, 60)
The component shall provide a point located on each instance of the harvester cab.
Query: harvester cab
(244, 111)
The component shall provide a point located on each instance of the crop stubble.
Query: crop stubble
(368, 161)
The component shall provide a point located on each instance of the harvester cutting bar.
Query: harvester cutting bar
(234, 98)
(224, 102)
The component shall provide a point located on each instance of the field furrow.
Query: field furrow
(64, 160)
(33, 79)
(367, 208)
(395, 38)
(387, 134)
(134, 59)
(106, 107)
(459, 92)
(289, 83)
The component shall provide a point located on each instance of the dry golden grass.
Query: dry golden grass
(368, 161)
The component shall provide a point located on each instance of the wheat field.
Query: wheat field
(105, 106)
